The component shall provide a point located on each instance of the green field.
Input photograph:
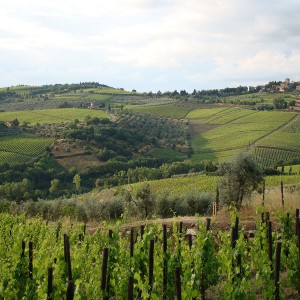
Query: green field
(52, 115)
(263, 98)
(168, 153)
(286, 138)
(204, 183)
(180, 186)
(202, 114)
(169, 111)
(238, 128)
(21, 148)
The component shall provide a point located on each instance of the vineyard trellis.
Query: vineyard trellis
(151, 262)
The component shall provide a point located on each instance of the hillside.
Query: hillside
(113, 137)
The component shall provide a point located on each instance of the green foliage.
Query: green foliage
(208, 265)
(280, 103)
(241, 177)
(53, 115)
(145, 200)
(77, 182)
(21, 148)
(170, 111)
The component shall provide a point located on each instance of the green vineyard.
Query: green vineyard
(272, 157)
(149, 262)
(52, 115)
(169, 111)
(21, 148)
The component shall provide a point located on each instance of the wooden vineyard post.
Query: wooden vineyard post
(165, 271)
(236, 224)
(298, 228)
(233, 237)
(216, 203)
(277, 270)
(270, 244)
(297, 222)
(131, 242)
(104, 271)
(263, 193)
(130, 288)
(65, 247)
(267, 217)
(70, 290)
(151, 264)
(190, 240)
(282, 194)
(239, 264)
(178, 283)
(23, 248)
(50, 284)
(70, 287)
(30, 267)
(110, 235)
(208, 222)
(142, 231)
(68, 257)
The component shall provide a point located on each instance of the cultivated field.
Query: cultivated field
(52, 115)
(203, 183)
(232, 130)
(169, 111)
(21, 148)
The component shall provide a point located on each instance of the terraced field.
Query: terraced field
(21, 148)
(232, 130)
(204, 183)
(52, 115)
(286, 138)
(169, 111)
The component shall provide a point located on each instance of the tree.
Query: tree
(54, 186)
(145, 199)
(279, 103)
(240, 177)
(76, 181)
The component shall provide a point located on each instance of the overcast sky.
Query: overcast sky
(149, 45)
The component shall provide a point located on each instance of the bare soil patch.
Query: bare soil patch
(79, 162)
(196, 129)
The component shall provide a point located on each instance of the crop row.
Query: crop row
(271, 157)
(52, 115)
(18, 148)
(153, 262)
(169, 111)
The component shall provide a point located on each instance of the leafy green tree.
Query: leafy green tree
(145, 199)
(77, 181)
(279, 103)
(54, 186)
(240, 177)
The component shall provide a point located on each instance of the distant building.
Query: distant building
(92, 106)
(284, 85)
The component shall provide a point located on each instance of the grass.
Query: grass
(206, 183)
(180, 186)
(287, 138)
(169, 111)
(264, 98)
(167, 153)
(52, 115)
(239, 128)
(202, 114)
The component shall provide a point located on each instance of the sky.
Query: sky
(149, 45)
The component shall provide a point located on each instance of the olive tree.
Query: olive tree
(145, 199)
(240, 177)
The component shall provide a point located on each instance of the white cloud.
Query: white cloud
(182, 41)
